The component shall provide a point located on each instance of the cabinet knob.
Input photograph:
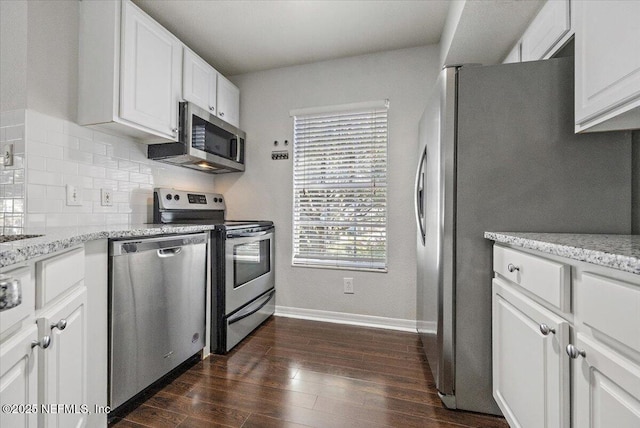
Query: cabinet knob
(60, 325)
(211, 108)
(221, 114)
(512, 268)
(43, 343)
(574, 352)
(174, 130)
(545, 329)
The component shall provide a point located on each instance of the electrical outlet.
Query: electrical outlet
(7, 155)
(106, 198)
(348, 285)
(74, 195)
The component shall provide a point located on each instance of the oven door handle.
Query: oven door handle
(251, 309)
(232, 235)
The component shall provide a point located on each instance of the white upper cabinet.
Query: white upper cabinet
(548, 31)
(607, 44)
(130, 72)
(210, 90)
(200, 81)
(228, 101)
(150, 73)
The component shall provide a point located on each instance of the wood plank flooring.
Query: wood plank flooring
(298, 373)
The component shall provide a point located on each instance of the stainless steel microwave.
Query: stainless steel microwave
(205, 143)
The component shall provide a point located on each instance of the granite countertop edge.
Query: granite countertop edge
(621, 252)
(63, 238)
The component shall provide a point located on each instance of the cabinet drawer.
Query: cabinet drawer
(544, 278)
(57, 274)
(11, 319)
(611, 307)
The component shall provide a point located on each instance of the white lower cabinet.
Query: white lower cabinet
(18, 379)
(43, 364)
(575, 367)
(63, 365)
(606, 387)
(530, 368)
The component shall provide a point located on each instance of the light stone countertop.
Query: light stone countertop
(62, 238)
(620, 252)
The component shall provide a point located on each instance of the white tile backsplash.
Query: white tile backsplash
(12, 178)
(59, 152)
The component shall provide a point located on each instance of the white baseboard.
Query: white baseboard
(351, 319)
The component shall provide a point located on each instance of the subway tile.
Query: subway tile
(116, 174)
(18, 176)
(120, 197)
(115, 219)
(127, 186)
(18, 205)
(6, 176)
(78, 156)
(36, 191)
(36, 205)
(62, 219)
(97, 208)
(56, 192)
(105, 161)
(86, 145)
(91, 171)
(36, 132)
(99, 149)
(36, 162)
(85, 208)
(138, 152)
(102, 183)
(139, 178)
(15, 132)
(77, 131)
(63, 140)
(146, 169)
(79, 181)
(41, 177)
(46, 150)
(7, 205)
(125, 165)
(14, 191)
(124, 208)
(93, 219)
(64, 167)
(35, 220)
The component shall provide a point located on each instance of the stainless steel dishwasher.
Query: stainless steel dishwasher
(156, 309)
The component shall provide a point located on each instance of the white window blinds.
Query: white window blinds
(340, 188)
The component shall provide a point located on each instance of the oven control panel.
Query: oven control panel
(172, 199)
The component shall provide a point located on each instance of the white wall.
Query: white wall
(13, 55)
(264, 190)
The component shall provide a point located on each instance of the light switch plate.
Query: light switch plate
(74, 195)
(106, 197)
(7, 154)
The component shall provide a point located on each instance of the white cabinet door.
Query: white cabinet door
(63, 365)
(607, 64)
(228, 101)
(606, 387)
(546, 31)
(18, 379)
(530, 367)
(199, 84)
(151, 78)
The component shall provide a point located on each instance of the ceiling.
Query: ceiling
(241, 36)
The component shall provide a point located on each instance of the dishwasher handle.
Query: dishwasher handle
(169, 252)
(165, 246)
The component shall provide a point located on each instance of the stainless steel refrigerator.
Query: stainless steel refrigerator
(498, 153)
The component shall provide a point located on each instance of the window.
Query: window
(340, 186)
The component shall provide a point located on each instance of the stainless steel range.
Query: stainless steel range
(241, 263)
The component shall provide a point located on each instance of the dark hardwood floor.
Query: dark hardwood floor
(297, 373)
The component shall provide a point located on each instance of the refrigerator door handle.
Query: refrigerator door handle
(419, 196)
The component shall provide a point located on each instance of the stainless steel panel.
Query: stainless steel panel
(435, 262)
(237, 297)
(157, 310)
(243, 322)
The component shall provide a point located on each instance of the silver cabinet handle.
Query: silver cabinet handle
(574, 352)
(44, 343)
(221, 114)
(512, 268)
(10, 293)
(174, 130)
(545, 329)
(60, 325)
(211, 108)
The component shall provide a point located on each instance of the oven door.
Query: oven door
(248, 266)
